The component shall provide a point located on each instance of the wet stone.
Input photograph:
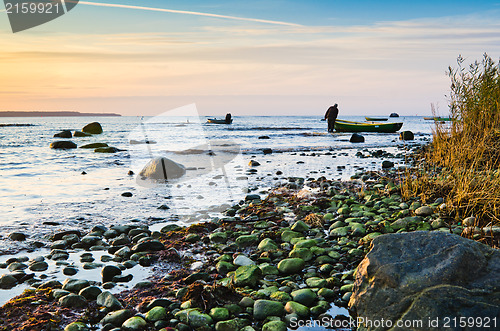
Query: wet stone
(73, 301)
(70, 271)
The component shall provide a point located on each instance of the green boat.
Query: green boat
(439, 119)
(375, 119)
(348, 126)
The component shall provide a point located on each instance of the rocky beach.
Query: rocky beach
(310, 252)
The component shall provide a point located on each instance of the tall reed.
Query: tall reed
(462, 163)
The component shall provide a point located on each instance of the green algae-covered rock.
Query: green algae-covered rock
(293, 307)
(117, 317)
(326, 293)
(135, 323)
(77, 326)
(224, 267)
(219, 314)
(306, 243)
(246, 275)
(197, 319)
(267, 244)
(218, 237)
(266, 308)
(230, 325)
(280, 296)
(268, 269)
(316, 282)
(274, 326)
(300, 226)
(304, 296)
(156, 313)
(291, 265)
(247, 240)
(303, 253)
(339, 232)
(287, 235)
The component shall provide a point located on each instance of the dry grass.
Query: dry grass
(462, 163)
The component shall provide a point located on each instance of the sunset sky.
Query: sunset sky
(285, 57)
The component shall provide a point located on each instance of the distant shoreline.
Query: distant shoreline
(51, 114)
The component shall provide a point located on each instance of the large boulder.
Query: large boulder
(357, 138)
(93, 128)
(406, 135)
(429, 277)
(63, 134)
(161, 168)
(63, 145)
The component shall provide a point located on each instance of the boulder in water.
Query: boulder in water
(406, 135)
(63, 134)
(93, 128)
(394, 115)
(81, 134)
(161, 168)
(63, 145)
(106, 150)
(427, 276)
(357, 138)
(94, 145)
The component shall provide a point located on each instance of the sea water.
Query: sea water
(43, 190)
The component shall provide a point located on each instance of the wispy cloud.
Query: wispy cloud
(185, 12)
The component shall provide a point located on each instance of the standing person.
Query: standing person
(331, 115)
(228, 118)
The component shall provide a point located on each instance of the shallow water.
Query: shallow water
(44, 190)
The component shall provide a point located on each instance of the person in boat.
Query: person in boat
(331, 116)
(228, 118)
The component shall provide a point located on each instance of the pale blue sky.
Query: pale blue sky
(371, 57)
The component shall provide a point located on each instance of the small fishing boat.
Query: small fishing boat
(376, 119)
(348, 126)
(438, 119)
(217, 121)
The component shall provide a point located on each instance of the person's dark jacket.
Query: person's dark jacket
(332, 113)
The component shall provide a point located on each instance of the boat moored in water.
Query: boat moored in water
(349, 126)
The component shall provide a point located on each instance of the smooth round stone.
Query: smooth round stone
(77, 326)
(274, 326)
(106, 299)
(17, 236)
(39, 266)
(117, 318)
(304, 296)
(75, 285)
(87, 259)
(7, 281)
(91, 265)
(70, 271)
(156, 313)
(242, 260)
(58, 293)
(135, 323)
(108, 285)
(291, 265)
(17, 266)
(73, 301)
(219, 314)
(90, 293)
(110, 271)
(266, 308)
